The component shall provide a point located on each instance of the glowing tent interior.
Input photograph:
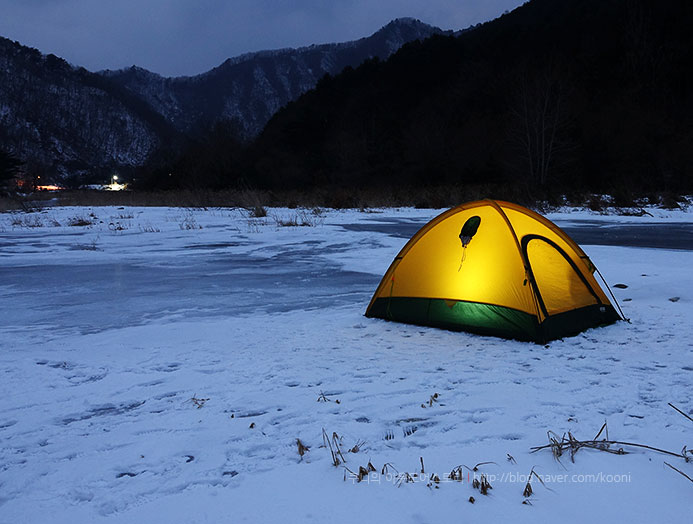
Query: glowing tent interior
(493, 268)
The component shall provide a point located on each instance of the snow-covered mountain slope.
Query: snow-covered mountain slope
(66, 119)
(69, 121)
(250, 88)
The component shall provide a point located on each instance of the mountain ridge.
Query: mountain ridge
(606, 83)
(62, 119)
(67, 122)
(260, 82)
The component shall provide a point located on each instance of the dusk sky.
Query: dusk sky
(185, 37)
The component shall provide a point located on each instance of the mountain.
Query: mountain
(65, 121)
(250, 88)
(580, 94)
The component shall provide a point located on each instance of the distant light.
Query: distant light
(115, 187)
(115, 177)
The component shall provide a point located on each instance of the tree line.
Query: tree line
(551, 98)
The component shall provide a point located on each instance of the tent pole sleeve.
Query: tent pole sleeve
(525, 262)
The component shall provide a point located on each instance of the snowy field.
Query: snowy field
(159, 365)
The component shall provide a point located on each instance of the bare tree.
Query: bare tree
(539, 120)
(644, 54)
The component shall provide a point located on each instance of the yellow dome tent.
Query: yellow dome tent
(493, 268)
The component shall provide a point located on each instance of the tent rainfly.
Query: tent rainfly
(494, 268)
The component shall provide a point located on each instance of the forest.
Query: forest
(553, 98)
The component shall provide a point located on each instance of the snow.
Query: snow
(110, 330)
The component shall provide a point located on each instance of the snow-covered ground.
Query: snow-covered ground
(158, 365)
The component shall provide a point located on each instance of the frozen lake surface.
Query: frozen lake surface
(665, 235)
(201, 281)
(113, 333)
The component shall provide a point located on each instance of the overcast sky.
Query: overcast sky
(185, 37)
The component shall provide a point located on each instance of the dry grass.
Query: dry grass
(363, 473)
(255, 201)
(198, 402)
(528, 491)
(302, 448)
(484, 485)
(567, 442)
(30, 221)
(148, 228)
(323, 398)
(678, 471)
(258, 212)
(334, 445)
(79, 221)
(387, 467)
(364, 199)
(432, 400)
(682, 413)
(300, 219)
(457, 474)
(357, 447)
(479, 480)
(404, 478)
(477, 466)
(188, 222)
